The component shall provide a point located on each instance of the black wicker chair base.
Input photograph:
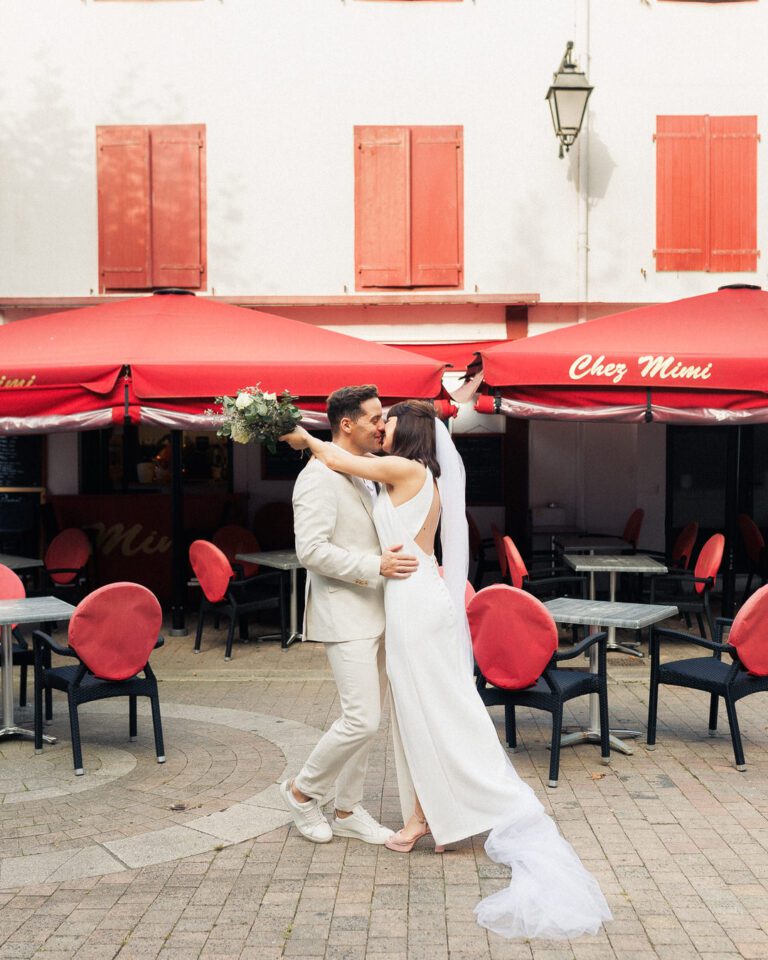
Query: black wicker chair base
(81, 686)
(550, 693)
(711, 675)
(237, 606)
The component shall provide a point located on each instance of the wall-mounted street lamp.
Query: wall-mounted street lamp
(567, 98)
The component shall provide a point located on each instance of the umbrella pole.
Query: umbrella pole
(178, 624)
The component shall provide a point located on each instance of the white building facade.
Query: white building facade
(284, 93)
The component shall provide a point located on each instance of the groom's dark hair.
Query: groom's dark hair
(347, 401)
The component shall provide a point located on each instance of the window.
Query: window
(408, 207)
(151, 207)
(706, 193)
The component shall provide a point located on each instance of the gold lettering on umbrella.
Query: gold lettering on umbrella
(13, 382)
(585, 366)
(666, 368)
(651, 368)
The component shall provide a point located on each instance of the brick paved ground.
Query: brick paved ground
(677, 837)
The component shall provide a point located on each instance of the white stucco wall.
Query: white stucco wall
(280, 85)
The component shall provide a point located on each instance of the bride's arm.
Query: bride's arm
(389, 470)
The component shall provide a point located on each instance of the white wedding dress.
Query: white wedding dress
(448, 751)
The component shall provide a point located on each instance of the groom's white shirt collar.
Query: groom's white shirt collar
(359, 482)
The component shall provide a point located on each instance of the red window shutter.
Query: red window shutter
(382, 206)
(436, 206)
(682, 176)
(124, 207)
(178, 206)
(733, 193)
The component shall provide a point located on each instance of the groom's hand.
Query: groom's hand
(396, 565)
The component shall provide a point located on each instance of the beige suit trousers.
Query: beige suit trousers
(341, 755)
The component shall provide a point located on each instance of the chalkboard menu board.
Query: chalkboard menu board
(285, 463)
(21, 461)
(483, 457)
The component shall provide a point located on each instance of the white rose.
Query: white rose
(239, 433)
(244, 400)
(269, 396)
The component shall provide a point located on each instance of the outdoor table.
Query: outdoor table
(281, 560)
(604, 613)
(592, 544)
(19, 563)
(25, 610)
(627, 563)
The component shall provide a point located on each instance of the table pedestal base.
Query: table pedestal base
(23, 732)
(631, 651)
(593, 736)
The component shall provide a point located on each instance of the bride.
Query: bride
(454, 776)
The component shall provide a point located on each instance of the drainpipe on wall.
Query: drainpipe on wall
(582, 39)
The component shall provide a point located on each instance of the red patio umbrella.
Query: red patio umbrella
(698, 360)
(163, 358)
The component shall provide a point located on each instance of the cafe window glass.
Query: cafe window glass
(409, 198)
(152, 207)
(706, 193)
(138, 459)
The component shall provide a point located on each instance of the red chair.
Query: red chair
(501, 556)
(702, 582)
(514, 639)
(223, 595)
(568, 584)
(234, 539)
(478, 551)
(631, 532)
(754, 545)
(65, 564)
(680, 556)
(746, 674)
(12, 588)
(111, 635)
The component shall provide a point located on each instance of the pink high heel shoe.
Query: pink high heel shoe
(400, 844)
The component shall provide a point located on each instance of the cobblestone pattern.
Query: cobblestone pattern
(677, 837)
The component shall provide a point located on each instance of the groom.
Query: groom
(336, 541)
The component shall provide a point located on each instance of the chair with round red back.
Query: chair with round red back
(549, 583)
(682, 551)
(518, 572)
(501, 556)
(754, 547)
(747, 673)
(236, 599)
(65, 564)
(211, 568)
(514, 639)
(232, 540)
(691, 592)
(632, 527)
(112, 633)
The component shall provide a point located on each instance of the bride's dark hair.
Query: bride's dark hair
(415, 432)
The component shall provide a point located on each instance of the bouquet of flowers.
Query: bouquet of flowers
(256, 414)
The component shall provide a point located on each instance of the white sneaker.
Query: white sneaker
(308, 816)
(361, 826)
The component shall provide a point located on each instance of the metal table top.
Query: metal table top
(615, 563)
(34, 610)
(608, 613)
(585, 544)
(279, 559)
(19, 563)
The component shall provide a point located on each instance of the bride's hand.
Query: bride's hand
(297, 439)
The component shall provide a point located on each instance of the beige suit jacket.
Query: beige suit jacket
(336, 542)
